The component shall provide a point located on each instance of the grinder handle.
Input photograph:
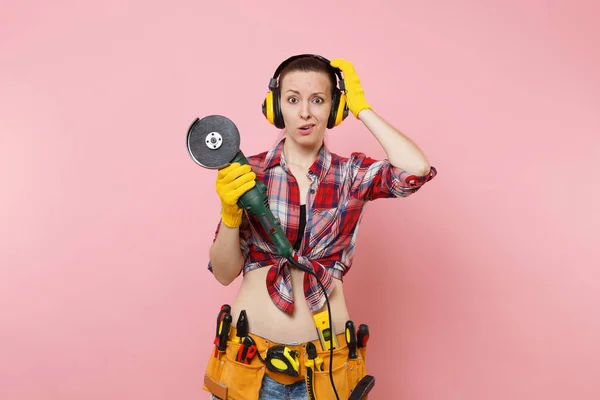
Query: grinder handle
(255, 201)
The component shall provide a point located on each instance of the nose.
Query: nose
(305, 111)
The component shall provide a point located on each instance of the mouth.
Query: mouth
(306, 129)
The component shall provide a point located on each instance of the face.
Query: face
(305, 106)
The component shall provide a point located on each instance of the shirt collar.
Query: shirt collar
(319, 168)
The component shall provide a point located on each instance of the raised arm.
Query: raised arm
(401, 151)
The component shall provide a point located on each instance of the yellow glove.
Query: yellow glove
(232, 182)
(355, 96)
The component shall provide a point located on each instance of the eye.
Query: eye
(318, 100)
(292, 100)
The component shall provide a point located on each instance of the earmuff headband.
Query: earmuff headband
(337, 71)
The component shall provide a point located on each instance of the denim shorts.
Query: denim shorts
(273, 390)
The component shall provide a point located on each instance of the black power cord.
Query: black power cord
(308, 270)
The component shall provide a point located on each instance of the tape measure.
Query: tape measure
(282, 359)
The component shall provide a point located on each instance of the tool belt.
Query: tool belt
(237, 370)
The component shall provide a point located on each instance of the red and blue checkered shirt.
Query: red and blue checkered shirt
(335, 201)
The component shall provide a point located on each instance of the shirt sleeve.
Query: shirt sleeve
(244, 238)
(373, 179)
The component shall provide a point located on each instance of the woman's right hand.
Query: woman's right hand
(232, 182)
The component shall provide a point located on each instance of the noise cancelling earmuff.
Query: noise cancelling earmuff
(271, 106)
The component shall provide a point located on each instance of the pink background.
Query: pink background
(484, 285)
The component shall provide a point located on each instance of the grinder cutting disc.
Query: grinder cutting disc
(213, 141)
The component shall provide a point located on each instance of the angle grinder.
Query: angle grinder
(214, 142)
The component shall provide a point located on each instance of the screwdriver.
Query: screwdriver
(351, 339)
(363, 335)
(224, 334)
(225, 309)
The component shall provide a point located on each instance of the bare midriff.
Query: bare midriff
(265, 319)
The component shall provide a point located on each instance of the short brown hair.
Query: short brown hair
(310, 64)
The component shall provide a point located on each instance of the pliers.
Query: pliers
(247, 350)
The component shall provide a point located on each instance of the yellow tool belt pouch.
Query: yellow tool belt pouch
(227, 378)
(346, 373)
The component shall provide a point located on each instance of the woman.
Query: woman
(318, 198)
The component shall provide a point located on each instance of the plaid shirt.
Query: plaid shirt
(340, 187)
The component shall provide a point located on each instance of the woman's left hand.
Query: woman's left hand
(355, 95)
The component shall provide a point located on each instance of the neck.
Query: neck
(301, 156)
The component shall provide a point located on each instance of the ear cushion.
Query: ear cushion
(342, 111)
(267, 108)
(335, 101)
(277, 115)
(339, 109)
